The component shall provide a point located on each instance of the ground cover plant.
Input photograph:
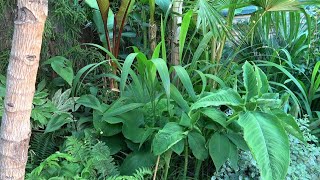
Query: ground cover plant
(160, 89)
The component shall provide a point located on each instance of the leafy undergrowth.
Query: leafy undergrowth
(305, 160)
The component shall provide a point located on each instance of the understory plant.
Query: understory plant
(303, 164)
(162, 116)
(257, 121)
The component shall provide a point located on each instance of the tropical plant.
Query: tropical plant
(258, 113)
(301, 166)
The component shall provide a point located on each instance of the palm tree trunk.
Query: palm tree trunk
(21, 77)
(152, 26)
(176, 22)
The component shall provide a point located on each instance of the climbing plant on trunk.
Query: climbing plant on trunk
(21, 78)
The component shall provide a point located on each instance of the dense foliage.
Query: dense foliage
(111, 105)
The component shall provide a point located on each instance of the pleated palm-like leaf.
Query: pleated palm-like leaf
(278, 5)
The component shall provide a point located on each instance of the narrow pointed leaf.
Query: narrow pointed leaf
(250, 81)
(183, 32)
(126, 69)
(186, 81)
(164, 74)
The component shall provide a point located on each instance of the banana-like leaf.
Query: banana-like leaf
(124, 10)
(268, 143)
(104, 8)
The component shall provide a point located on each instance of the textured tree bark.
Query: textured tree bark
(152, 26)
(21, 77)
(176, 23)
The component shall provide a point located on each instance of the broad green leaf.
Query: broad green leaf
(238, 140)
(171, 134)
(164, 74)
(163, 4)
(90, 101)
(264, 88)
(179, 147)
(216, 116)
(233, 156)
(132, 128)
(104, 128)
(185, 120)
(186, 81)
(115, 143)
(219, 147)
(136, 160)
(227, 97)
(57, 122)
(183, 31)
(269, 101)
(268, 143)
(197, 144)
(122, 109)
(289, 123)
(250, 81)
(92, 3)
(63, 67)
(112, 120)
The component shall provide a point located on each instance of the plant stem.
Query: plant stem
(186, 154)
(167, 159)
(198, 168)
(156, 169)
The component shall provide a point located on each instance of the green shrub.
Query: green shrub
(305, 160)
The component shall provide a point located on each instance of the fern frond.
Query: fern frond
(140, 174)
(41, 147)
(103, 161)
